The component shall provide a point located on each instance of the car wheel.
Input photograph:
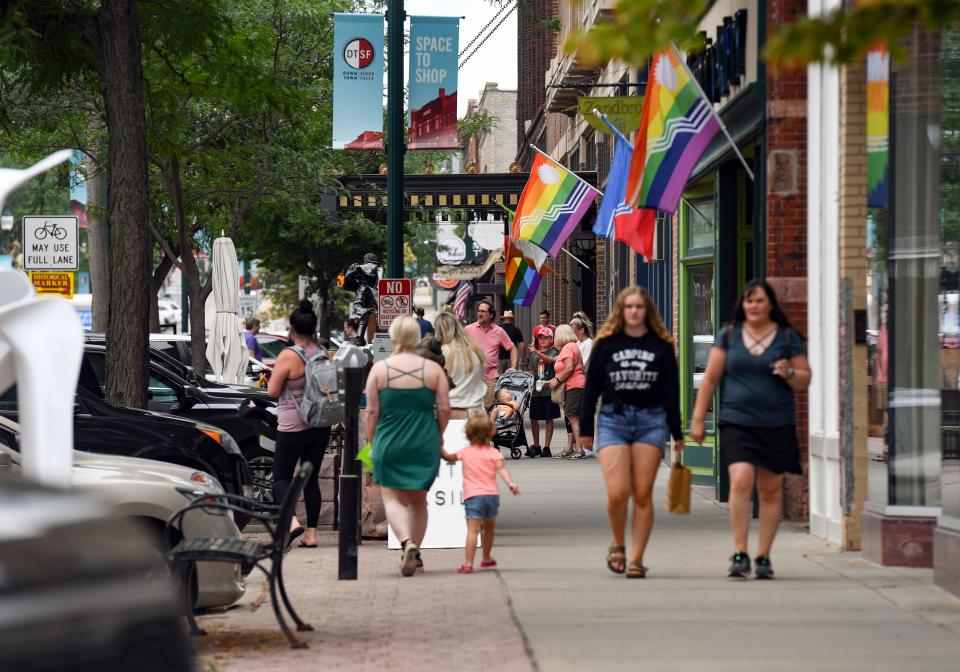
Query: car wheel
(261, 478)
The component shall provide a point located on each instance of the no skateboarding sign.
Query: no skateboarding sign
(396, 299)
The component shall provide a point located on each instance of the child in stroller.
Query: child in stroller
(504, 407)
(512, 393)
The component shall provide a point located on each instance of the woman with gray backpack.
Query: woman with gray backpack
(298, 441)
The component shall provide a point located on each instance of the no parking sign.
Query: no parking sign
(396, 299)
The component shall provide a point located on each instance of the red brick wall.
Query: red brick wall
(787, 214)
(535, 47)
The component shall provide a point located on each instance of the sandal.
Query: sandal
(617, 559)
(408, 558)
(488, 563)
(636, 571)
(465, 569)
(419, 568)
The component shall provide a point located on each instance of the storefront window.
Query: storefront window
(949, 295)
(700, 319)
(700, 227)
(913, 263)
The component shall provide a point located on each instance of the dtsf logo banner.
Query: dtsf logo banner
(358, 81)
(434, 50)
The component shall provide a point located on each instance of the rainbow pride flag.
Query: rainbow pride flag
(878, 126)
(676, 126)
(551, 206)
(523, 278)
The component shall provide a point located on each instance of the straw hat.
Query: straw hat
(508, 313)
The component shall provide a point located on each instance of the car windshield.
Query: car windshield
(271, 346)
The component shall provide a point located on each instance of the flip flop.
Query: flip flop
(306, 545)
(465, 569)
(488, 563)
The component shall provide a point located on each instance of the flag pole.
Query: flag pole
(616, 131)
(545, 155)
(570, 254)
(694, 208)
(723, 127)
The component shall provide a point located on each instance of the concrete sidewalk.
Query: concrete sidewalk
(824, 610)
(553, 605)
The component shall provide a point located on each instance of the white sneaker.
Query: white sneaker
(587, 454)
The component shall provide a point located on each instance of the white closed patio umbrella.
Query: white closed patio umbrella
(226, 349)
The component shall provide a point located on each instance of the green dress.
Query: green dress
(406, 444)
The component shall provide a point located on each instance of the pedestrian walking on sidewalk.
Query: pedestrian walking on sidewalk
(633, 373)
(407, 411)
(296, 440)
(569, 375)
(491, 338)
(516, 336)
(761, 361)
(482, 463)
(583, 330)
(540, 362)
(464, 365)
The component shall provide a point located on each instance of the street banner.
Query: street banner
(434, 49)
(358, 81)
(878, 126)
(622, 111)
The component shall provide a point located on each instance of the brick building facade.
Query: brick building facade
(494, 152)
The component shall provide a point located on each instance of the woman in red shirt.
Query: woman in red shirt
(568, 368)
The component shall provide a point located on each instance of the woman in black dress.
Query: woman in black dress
(761, 361)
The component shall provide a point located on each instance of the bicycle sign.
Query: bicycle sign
(396, 296)
(50, 243)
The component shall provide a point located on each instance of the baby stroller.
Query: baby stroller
(511, 434)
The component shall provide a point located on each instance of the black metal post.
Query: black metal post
(350, 475)
(396, 142)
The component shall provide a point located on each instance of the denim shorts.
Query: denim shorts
(482, 507)
(633, 425)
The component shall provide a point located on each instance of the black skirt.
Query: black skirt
(773, 448)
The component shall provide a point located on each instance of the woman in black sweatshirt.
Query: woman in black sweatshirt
(633, 372)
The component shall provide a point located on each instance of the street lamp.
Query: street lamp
(6, 220)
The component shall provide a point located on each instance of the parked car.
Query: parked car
(149, 492)
(73, 588)
(178, 346)
(170, 314)
(270, 346)
(251, 422)
(112, 430)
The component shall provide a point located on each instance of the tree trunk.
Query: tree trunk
(198, 326)
(156, 284)
(323, 310)
(97, 237)
(117, 50)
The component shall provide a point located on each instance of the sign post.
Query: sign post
(395, 299)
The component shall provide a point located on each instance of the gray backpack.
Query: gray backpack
(323, 404)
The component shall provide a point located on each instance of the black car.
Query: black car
(101, 428)
(252, 422)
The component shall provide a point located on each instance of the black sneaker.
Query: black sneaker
(537, 451)
(533, 451)
(546, 452)
(763, 568)
(739, 564)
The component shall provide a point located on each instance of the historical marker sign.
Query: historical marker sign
(53, 283)
(50, 243)
(396, 299)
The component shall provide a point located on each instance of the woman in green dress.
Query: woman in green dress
(408, 407)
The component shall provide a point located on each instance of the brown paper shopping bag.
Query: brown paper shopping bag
(677, 499)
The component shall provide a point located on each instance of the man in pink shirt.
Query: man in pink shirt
(491, 338)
